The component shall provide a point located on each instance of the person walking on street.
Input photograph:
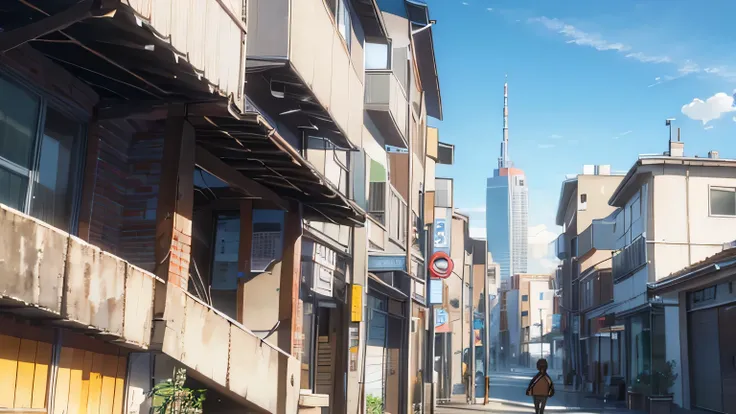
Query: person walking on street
(541, 387)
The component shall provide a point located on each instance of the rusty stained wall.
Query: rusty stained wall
(227, 354)
(64, 276)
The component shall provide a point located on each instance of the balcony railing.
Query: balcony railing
(386, 103)
(630, 259)
(598, 236)
(562, 247)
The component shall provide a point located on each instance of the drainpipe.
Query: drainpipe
(687, 214)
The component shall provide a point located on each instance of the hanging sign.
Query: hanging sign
(356, 304)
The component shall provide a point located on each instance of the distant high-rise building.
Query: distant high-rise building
(507, 209)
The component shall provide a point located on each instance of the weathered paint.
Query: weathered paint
(51, 271)
(224, 352)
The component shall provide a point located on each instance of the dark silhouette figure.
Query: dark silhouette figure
(541, 387)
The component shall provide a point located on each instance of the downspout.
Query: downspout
(687, 214)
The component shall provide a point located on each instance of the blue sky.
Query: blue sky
(590, 82)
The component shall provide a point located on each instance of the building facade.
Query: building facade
(208, 194)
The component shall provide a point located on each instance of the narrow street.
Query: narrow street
(507, 395)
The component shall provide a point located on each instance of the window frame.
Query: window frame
(389, 56)
(76, 180)
(710, 200)
(339, 9)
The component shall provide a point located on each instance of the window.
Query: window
(39, 162)
(377, 56)
(722, 201)
(342, 17)
(583, 198)
(524, 298)
(524, 313)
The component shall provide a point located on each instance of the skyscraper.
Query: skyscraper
(507, 208)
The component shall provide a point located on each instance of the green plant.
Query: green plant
(664, 379)
(642, 383)
(172, 397)
(375, 405)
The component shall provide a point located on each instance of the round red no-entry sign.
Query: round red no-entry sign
(440, 265)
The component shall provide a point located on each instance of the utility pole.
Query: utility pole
(541, 335)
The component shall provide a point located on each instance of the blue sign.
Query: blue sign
(478, 324)
(440, 317)
(387, 263)
(556, 319)
(435, 291)
(441, 236)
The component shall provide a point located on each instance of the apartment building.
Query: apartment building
(584, 272)
(157, 215)
(672, 212)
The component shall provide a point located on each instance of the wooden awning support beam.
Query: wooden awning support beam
(60, 21)
(215, 166)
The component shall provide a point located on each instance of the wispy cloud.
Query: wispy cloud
(490, 9)
(555, 136)
(707, 127)
(579, 37)
(597, 41)
(623, 134)
(545, 146)
(465, 3)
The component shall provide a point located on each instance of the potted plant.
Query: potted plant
(636, 395)
(660, 402)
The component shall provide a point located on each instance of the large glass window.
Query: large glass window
(377, 56)
(723, 201)
(38, 166)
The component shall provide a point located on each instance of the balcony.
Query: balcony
(598, 236)
(630, 259)
(55, 278)
(139, 50)
(50, 275)
(562, 247)
(226, 354)
(387, 106)
(299, 65)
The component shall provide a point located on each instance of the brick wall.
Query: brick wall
(123, 218)
(138, 236)
(110, 187)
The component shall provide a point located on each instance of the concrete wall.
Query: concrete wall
(47, 270)
(224, 354)
(598, 190)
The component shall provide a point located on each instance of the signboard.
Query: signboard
(387, 263)
(441, 321)
(478, 337)
(441, 234)
(435, 291)
(356, 303)
(477, 323)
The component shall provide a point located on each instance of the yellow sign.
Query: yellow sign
(356, 304)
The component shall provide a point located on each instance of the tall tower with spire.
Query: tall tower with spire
(507, 208)
(503, 161)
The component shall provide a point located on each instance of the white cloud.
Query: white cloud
(490, 9)
(644, 58)
(707, 127)
(734, 119)
(711, 109)
(465, 3)
(555, 136)
(540, 259)
(480, 209)
(478, 232)
(579, 37)
(623, 134)
(545, 146)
